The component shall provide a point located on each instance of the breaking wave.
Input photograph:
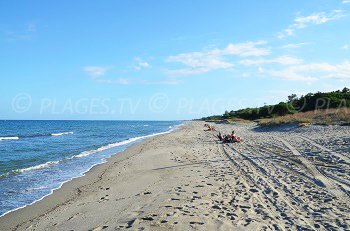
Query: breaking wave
(83, 154)
(33, 136)
(9, 138)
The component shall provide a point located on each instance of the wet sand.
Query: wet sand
(288, 178)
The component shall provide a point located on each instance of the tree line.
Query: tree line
(294, 104)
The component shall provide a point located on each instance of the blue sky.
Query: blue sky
(166, 59)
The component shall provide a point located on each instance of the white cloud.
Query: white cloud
(313, 67)
(126, 81)
(96, 71)
(314, 71)
(243, 49)
(294, 45)
(345, 47)
(197, 63)
(188, 71)
(261, 70)
(199, 60)
(289, 75)
(316, 18)
(140, 64)
(289, 31)
(313, 19)
(202, 62)
(283, 60)
(122, 81)
(340, 71)
(345, 1)
(168, 81)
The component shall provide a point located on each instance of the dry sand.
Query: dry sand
(283, 179)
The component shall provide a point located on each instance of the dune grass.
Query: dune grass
(322, 117)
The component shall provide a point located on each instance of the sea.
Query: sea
(37, 157)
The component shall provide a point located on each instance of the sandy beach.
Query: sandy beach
(290, 178)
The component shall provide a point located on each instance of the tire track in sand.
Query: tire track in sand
(340, 156)
(293, 207)
(250, 179)
(326, 181)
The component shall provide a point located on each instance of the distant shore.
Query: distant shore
(187, 180)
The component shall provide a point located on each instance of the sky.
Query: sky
(166, 60)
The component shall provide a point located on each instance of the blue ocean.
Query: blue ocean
(39, 156)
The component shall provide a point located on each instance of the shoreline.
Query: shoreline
(130, 142)
(187, 180)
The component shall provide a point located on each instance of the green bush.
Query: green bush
(309, 102)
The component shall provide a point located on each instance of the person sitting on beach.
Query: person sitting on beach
(227, 139)
(220, 136)
(235, 138)
(210, 128)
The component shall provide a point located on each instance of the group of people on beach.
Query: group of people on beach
(229, 138)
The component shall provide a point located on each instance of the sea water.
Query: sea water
(37, 157)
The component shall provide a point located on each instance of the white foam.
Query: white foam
(120, 143)
(52, 190)
(62, 133)
(39, 166)
(5, 174)
(9, 138)
(87, 153)
(37, 188)
(83, 173)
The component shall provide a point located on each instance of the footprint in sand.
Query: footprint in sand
(147, 218)
(99, 228)
(196, 223)
(103, 199)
